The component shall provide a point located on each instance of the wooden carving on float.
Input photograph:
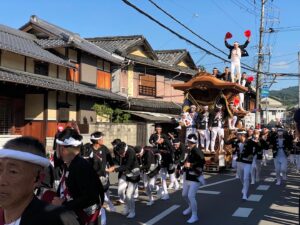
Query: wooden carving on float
(206, 89)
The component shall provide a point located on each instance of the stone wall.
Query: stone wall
(127, 132)
(6, 138)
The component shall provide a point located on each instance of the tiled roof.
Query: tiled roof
(117, 43)
(121, 44)
(154, 106)
(174, 56)
(14, 76)
(51, 43)
(24, 44)
(157, 64)
(73, 39)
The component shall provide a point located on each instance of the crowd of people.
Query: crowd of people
(79, 185)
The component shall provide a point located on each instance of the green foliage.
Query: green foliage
(103, 110)
(120, 116)
(117, 115)
(288, 96)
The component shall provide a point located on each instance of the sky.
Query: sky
(211, 19)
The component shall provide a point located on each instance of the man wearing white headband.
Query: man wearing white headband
(22, 161)
(281, 146)
(192, 117)
(244, 160)
(202, 128)
(130, 171)
(216, 126)
(232, 120)
(80, 188)
(100, 158)
(193, 167)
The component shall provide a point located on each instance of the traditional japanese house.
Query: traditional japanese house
(50, 76)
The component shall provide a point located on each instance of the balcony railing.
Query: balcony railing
(147, 91)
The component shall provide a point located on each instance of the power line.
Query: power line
(181, 36)
(244, 66)
(187, 28)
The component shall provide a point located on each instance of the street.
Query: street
(220, 203)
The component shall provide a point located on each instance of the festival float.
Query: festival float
(206, 90)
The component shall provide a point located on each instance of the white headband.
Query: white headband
(24, 156)
(69, 142)
(241, 132)
(94, 138)
(193, 140)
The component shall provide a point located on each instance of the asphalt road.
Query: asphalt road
(220, 203)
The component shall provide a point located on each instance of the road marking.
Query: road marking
(254, 198)
(242, 212)
(219, 182)
(263, 187)
(269, 179)
(161, 215)
(208, 192)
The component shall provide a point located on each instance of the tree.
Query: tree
(103, 110)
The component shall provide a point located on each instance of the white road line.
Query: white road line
(219, 182)
(242, 212)
(269, 179)
(263, 187)
(254, 198)
(208, 192)
(161, 215)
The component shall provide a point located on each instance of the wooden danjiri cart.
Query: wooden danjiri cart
(205, 89)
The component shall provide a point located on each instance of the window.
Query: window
(5, 117)
(41, 68)
(103, 74)
(147, 85)
(273, 113)
(103, 80)
(73, 74)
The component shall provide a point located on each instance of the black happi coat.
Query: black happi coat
(213, 121)
(242, 47)
(179, 154)
(100, 159)
(130, 166)
(246, 155)
(287, 145)
(197, 160)
(83, 184)
(149, 163)
(201, 121)
(257, 149)
(296, 148)
(42, 213)
(165, 149)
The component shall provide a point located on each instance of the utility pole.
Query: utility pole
(259, 64)
(299, 79)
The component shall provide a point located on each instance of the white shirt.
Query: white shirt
(236, 55)
(280, 152)
(16, 222)
(241, 146)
